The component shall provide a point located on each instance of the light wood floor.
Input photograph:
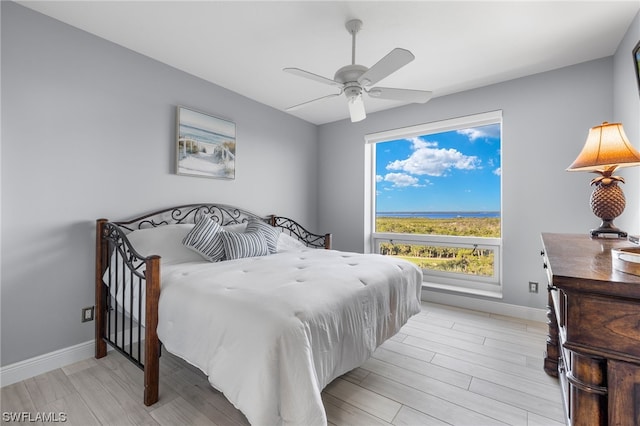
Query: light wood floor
(446, 366)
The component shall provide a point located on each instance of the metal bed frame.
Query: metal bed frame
(116, 324)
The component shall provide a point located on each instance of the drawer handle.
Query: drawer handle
(586, 387)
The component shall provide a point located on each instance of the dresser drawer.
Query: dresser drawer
(611, 325)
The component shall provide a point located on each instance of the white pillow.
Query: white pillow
(288, 243)
(164, 241)
(236, 227)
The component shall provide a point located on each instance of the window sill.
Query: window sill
(497, 294)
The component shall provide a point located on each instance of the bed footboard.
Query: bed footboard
(124, 279)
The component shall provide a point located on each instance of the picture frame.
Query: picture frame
(636, 63)
(205, 145)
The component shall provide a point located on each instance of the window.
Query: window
(434, 198)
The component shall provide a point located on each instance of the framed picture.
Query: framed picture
(636, 62)
(205, 145)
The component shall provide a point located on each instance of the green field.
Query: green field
(472, 261)
(460, 226)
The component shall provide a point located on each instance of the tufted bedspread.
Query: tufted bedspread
(271, 332)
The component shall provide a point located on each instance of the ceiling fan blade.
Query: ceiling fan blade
(312, 76)
(333, 95)
(394, 60)
(356, 108)
(406, 95)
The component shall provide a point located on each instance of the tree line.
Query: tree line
(474, 261)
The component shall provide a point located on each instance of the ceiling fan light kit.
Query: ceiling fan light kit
(353, 80)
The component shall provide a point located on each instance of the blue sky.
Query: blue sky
(457, 170)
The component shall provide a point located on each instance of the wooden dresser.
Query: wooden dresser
(594, 330)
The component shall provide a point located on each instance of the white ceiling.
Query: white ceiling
(243, 45)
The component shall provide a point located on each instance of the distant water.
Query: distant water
(438, 215)
(202, 135)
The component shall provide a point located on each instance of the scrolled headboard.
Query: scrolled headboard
(221, 213)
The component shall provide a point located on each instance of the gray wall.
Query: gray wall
(626, 109)
(88, 131)
(546, 118)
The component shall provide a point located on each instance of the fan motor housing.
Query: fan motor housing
(350, 73)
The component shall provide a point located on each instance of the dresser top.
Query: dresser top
(578, 257)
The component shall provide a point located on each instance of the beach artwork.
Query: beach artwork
(206, 145)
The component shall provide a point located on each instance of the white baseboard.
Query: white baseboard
(490, 306)
(31, 367)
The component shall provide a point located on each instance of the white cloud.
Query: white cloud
(428, 160)
(490, 131)
(472, 134)
(498, 171)
(379, 178)
(418, 143)
(401, 180)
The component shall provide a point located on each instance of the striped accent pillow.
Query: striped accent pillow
(248, 244)
(204, 239)
(270, 233)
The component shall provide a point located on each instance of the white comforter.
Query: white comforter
(271, 332)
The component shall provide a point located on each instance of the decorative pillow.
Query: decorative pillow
(248, 244)
(270, 233)
(204, 239)
(164, 241)
(288, 243)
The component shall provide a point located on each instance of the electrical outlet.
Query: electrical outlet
(87, 314)
(533, 287)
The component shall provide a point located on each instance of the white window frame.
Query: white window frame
(464, 283)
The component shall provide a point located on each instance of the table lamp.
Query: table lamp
(606, 149)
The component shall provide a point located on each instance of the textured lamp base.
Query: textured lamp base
(607, 203)
(607, 229)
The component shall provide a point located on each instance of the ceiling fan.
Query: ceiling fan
(353, 80)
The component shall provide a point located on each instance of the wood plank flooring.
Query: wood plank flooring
(447, 366)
